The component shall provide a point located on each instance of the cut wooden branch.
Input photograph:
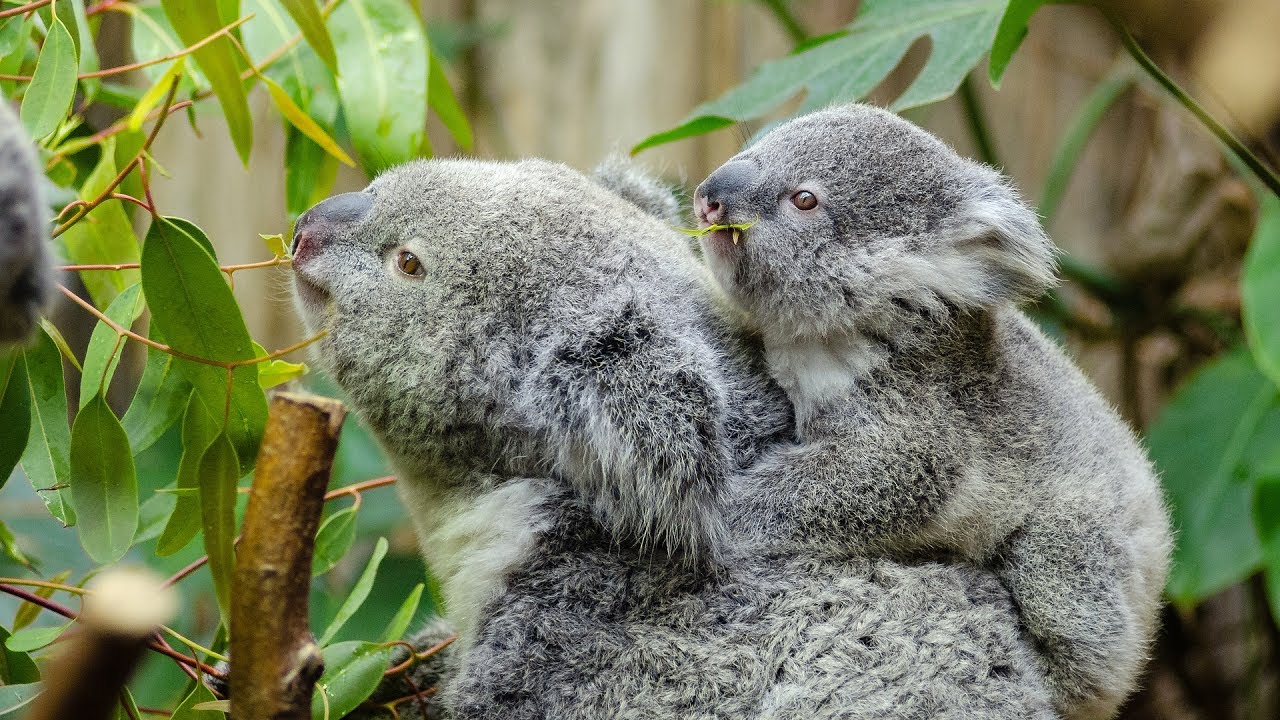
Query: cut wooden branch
(122, 611)
(274, 658)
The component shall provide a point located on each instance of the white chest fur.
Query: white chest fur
(471, 541)
(814, 371)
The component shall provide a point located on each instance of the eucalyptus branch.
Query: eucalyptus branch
(21, 9)
(225, 31)
(106, 192)
(1259, 168)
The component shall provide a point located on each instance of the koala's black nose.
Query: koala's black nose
(344, 208)
(723, 190)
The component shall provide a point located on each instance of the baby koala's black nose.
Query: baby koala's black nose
(344, 208)
(723, 191)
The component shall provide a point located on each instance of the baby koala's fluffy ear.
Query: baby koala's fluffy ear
(624, 176)
(634, 409)
(1001, 252)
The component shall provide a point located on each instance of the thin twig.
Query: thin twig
(24, 8)
(1259, 168)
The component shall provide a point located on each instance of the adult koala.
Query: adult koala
(26, 266)
(557, 384)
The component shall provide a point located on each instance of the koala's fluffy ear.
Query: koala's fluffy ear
(26, 266)
(634, 407)
(623, 176)
(997, 252)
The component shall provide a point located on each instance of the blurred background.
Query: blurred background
(1152, 206)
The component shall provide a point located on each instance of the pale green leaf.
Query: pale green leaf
(157, 92)
(104, 236)
(333, 540)
(1260, 288)
(16, 697)
(446, 106)
(303, 122)
(53, 84)
(307, 15)
(358, 593)
(105, 346)
(383, 60)
(219, 474)
(104, 484)
(404, 615)
(29, 639)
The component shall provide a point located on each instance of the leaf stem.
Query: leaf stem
(1260, 169)
(106, 193)
(787, 19)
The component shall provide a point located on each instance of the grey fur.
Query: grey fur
(569, 412)
(26, 265)
(933, 416)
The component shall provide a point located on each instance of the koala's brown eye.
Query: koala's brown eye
(805, 200)
(409, 264)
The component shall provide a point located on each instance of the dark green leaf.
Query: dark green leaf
(195, 20)
(1009, 35)
(53, 85)
(383, 56)
(104, 484)
(15, 697)
(307, 14)
(352, 671)
(45, 460)
(198, 432)
(445, 104)
(16, 668)
(1260, 288)
(29, 639)
(219, 474)
(333, 540)
(846, 66)
(105, 346)
(158, 403)
(1266, 517)
(1200, 443)
(15, 408)
(104, 236)
(182, 282)
(358, 593)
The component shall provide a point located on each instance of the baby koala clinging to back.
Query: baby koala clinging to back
(882, 271)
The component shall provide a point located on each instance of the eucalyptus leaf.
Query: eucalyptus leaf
(1009, 35)
(400, 623)
(182, 281)
(15, 408)
(194, 21)
(186, 710)
(105, 346)
(29, 639)
(53, 85)
(358, 593)
(219, 474)
(445, 103)
(45, 460)
(352, 671)
(16, 697)
(104, 483)
(383, 59)
(198, 433)
(16, 667)
(158, 402)
(307, 15)
(104, 236)
(333, 540)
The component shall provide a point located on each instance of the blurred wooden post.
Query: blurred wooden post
(124, 608)
(274, 658)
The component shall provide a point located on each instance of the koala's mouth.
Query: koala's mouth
(313, 296)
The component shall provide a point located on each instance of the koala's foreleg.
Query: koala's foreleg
(869, 491)
(1066, 576)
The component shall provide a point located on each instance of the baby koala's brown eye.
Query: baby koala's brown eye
(805, 200)
(409, 264)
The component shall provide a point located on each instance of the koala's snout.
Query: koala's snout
(723, 191)
(317, 224)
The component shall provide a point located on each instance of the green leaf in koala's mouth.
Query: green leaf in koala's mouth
(737, 228)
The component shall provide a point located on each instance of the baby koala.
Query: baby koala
(882, 271)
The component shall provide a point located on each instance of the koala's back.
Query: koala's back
(773, 637)
(26, 273)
